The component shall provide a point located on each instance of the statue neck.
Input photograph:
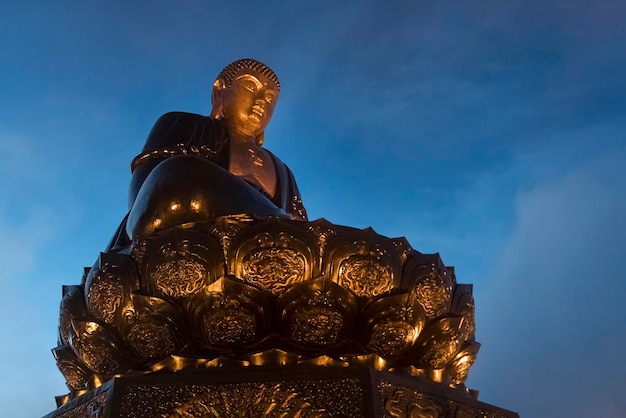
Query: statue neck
(243, 140)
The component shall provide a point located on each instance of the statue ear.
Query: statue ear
(216, 98)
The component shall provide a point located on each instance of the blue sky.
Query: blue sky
(492, 132)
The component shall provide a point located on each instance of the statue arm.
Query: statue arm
(178, 133)
(295, 208)
(287, 195)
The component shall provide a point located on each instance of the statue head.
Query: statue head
(244, 95)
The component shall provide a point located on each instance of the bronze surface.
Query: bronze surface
(217, 266)
(193, 292)
(284, 391)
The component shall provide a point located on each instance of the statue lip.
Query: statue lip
(258, 110)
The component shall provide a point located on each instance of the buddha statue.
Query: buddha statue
(217, 266)
(195, 167)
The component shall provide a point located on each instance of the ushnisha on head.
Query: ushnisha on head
(244, 94)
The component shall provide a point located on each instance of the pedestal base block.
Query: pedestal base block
(296, 392)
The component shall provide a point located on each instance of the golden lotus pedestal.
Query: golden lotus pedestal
(276, 391)
(239, 317)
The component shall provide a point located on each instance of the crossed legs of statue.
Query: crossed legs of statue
(185, 188)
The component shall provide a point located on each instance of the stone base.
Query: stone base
(286, 391)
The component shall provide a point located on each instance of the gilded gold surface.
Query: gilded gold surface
(226, 228)
(363, 262)
(264, 400)
(228, 314)
(151, 340)
(463, 305)
(323, 231)
(310, 391)
(439, 342)
(404, 404)
(393, 325)
(459, 367)
(178, 263)
(170, 302)
(97, 347)
(274, 257)
(180, 272)
(273, 269)
(109, 285)
(92, 409)
(336, 397)
(75, 372)
(72, 306)
(365, 276)
(434, 291)
(403, 401)
(317, 313)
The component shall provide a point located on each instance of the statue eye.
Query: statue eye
(249, 85)
(270, 98)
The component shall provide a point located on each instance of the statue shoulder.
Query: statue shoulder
(172, 118)
(174, 128)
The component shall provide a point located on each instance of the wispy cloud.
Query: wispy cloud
(548, 317)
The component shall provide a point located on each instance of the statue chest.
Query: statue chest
(253, 164)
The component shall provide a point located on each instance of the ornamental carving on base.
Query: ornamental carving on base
(243, 401)
(309, 289)
(273, 269)
(274, 257)
(178, 263)
(403, 403)
(363, 262)
(92, 409)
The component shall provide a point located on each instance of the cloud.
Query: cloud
(550, 316)
(33, 215)
(32, 208)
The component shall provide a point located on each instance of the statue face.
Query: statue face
(248, 104)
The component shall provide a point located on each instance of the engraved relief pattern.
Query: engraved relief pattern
(296, 399)
(225, 229)
(91, 409)
(179, 278)
(229, 326)
(151, 339)
(459, 371)
(72, 307)
(246, 401)
(322, 233)
(96, 348)
(273, 269)
(399, 401)
(433, 294)
(319, 325)
(180, 264)
(308, 287)
(273, 265)
(439, 343)
(391, 338)
(463, 305)
(365, 277)
(74, 375)
(105, 295)
(440, 352)
(97, 358)
(405, 403)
